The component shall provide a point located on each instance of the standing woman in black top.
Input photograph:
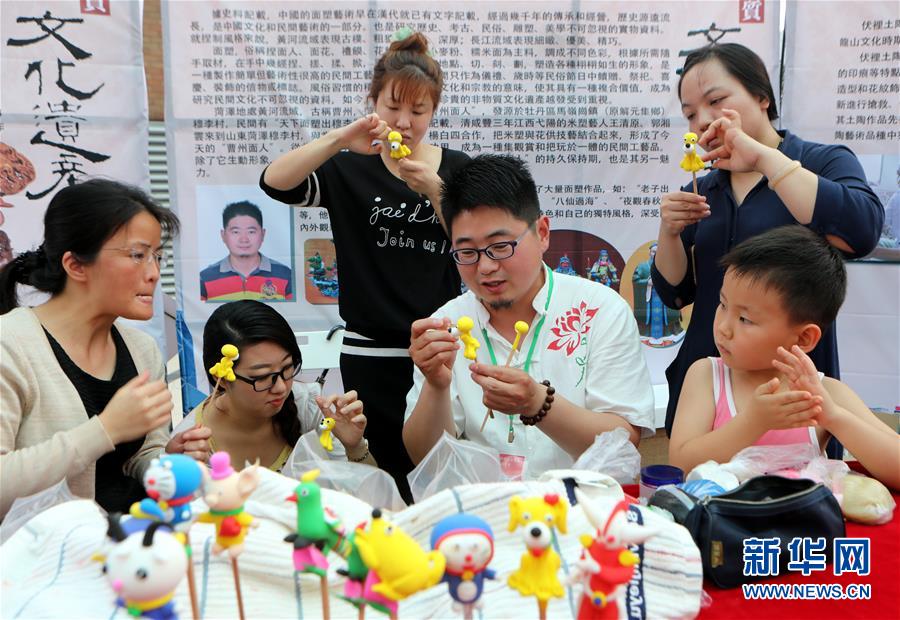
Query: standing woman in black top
(392, 251)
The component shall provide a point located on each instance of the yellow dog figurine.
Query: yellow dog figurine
(327, 427)
(398, 149)
(537, 574)
(691, 162)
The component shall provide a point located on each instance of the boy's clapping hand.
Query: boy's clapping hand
(771, 409)
(801, 374)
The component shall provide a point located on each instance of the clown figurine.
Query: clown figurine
(467, 543)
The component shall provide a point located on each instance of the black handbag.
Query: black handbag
(762, 507)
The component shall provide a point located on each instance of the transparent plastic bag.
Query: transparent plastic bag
(862, 499)
(614, 455)
(370, 484)
(307, 448)
(788, 461)
(23, 509)
(453, 462)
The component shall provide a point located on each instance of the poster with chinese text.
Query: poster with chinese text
(584, 92)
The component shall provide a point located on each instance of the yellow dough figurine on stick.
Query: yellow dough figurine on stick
(327, 426)
(521, 329)
(398, 149)
(691, 162)
(465, 325)
(538, 518)
(224, 369)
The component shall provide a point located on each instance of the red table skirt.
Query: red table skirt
(884, 578)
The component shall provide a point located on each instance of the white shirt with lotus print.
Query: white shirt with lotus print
(588, 348)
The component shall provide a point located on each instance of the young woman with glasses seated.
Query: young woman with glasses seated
(83, 397)
(262, 414)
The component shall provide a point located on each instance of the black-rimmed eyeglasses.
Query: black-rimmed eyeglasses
(495, 251)
(267, 382)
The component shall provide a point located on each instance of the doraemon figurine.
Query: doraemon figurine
(467, 542)
(172, 482)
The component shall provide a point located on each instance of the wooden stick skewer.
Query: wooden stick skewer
(223, 370)
(237, 587)
(521, 330)
(192, 585)
(326, 609)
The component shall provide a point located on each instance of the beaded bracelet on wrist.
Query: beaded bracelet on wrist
(545, 408)
(365, 454)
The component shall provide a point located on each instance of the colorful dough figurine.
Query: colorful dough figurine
(606, 563)
(398, 149)
(356, 573)
(172, 482)
(144, 568)
(225, 492)
(224, 369)
(318, 532)
(398, 566)
(691, 162)
(467, 544)
(538, 567)
(326, 426)
(521, 328)
(465, 325)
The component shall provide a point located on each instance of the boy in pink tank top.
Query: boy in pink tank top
(780, 290)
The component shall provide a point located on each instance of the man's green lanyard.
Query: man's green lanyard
(534, 338)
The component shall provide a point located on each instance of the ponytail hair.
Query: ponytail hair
(244, 323)
(79, 219)
(410, 70)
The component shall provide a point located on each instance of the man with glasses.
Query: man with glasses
(246, 273)
(579, 371)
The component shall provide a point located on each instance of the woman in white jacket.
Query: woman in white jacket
(82, 397)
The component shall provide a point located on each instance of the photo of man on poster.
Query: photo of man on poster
(245, 273)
